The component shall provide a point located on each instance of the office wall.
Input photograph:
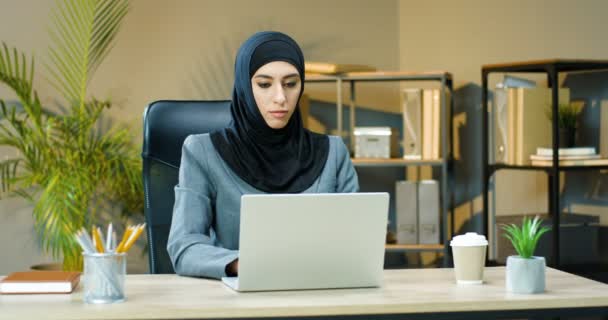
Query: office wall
(185, 50)
(461, 36)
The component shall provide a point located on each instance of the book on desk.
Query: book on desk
(27, 282)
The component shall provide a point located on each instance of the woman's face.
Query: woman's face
(276, 89)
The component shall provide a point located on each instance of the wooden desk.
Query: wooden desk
(406, 294)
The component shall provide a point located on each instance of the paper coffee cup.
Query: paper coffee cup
(469, 251)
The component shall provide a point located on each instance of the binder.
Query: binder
(406, 193)
(501, 121)
(427, 124)
(412, 123)
(428, 212)
(436, 129)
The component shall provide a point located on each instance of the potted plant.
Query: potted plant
(525, 272)
(67, 164)
(567, 122)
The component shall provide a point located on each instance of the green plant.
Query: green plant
(567, 114)
(68, 165)
(525, 238)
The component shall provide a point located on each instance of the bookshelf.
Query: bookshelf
(445, 81)
(552, 68)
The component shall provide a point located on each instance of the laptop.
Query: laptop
(311, 241)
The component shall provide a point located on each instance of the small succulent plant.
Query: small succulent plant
(525, 238)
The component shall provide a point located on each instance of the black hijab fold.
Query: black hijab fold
(286, 160)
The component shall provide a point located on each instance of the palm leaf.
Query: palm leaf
(8, 174)
(108, 18)
(83, 35)
(62, 209)
(69, 54)
(15, 73)
(18, 75)
(25, 195)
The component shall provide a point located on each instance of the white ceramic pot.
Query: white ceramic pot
(525, 275)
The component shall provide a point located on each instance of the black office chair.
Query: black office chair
(166, 126)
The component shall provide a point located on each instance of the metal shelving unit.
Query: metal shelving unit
(445, 163)
(414, 247)
(552, 68)
(395, 162)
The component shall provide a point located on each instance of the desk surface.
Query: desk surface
(405, 292)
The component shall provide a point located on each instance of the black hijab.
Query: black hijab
(286, 160)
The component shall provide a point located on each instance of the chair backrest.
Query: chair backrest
(166, 126)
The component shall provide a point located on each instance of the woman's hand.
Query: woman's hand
(232, 269)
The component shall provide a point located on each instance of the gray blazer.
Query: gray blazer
(204, 234)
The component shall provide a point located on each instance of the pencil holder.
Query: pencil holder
(104, 277)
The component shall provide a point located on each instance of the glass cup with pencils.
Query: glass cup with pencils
(105, 263)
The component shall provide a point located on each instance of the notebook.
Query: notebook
(40, 282)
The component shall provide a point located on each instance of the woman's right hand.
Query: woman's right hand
(232, 269)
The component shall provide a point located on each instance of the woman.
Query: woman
(265, 149)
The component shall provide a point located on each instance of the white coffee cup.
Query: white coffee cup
(469, 252)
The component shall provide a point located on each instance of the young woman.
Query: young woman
(265, 149)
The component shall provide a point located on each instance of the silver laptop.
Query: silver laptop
(311, 241)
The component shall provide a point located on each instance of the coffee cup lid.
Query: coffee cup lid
(469, 239)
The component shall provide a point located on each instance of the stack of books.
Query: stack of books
(314, 67)
(580, 156)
